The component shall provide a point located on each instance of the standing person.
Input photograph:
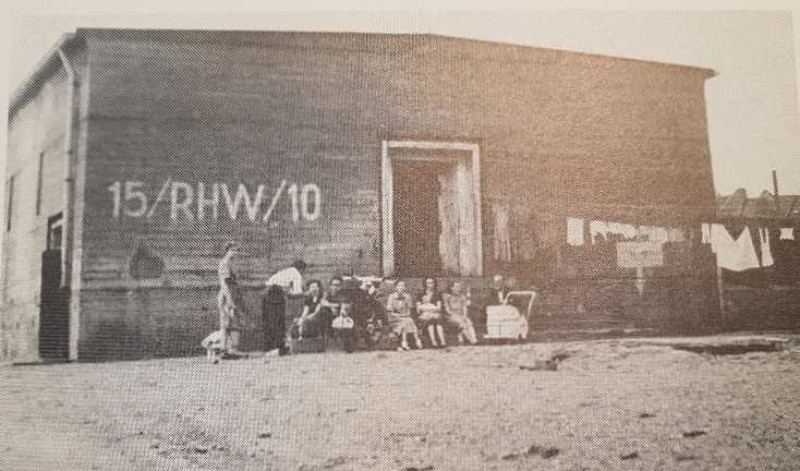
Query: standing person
(498, 291)
(399, 307)
(497, 296)
(229, 304)
(456, 305)
(429, 308)
(286, 282)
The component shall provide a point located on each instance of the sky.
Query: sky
(752, 104)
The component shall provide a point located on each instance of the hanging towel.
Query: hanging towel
(766, 252)
(705, 230)
(734, 255)
(598, 228)
(502, 239)
(627, 230)
(675, 234)
(787, 233)
(575, 231)
(654, 234)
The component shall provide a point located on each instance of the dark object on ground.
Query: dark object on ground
(265, 435)
(541, 365)
(694, 433)
(559, 355)
(307, 345)
(233, 356)
(646, 415)
(732, 349)
(549, 453)
(414, 468)
(630, 456)
(550, 363)
(721, 345)
(534, 450)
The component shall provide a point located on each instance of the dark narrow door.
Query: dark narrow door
(416, 220)
(54, 310)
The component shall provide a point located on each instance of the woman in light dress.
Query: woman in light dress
(398, 308)
(456, 313)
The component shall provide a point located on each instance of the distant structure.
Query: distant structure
(765, 209)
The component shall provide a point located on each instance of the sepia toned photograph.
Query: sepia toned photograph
(401, 240)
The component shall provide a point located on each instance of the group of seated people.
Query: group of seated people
(355, 313)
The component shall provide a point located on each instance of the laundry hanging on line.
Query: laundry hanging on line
(766, 250)
(600, 230)
(575, 231)
(705, 233)
(733, 254)
(604, 230)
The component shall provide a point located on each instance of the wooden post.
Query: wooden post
(720, 294)
(775, 188)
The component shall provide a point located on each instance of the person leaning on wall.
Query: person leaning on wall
(286, 282)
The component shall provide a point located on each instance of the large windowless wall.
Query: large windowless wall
(277, 140)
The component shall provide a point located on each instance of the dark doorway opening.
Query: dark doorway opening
(416, 218)
(54, 305)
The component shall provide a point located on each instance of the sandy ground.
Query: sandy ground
(622, 404)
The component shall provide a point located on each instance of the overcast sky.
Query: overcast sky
(753, 118)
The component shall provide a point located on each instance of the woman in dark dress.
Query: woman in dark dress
(280, 286)
(429, 308)
(309, 319)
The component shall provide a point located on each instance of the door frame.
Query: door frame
(387, 196)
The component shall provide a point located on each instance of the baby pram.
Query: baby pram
(510, 320)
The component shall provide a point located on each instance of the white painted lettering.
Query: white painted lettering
(134, 193)
(181, 205)
(242, 199)
(203, 202)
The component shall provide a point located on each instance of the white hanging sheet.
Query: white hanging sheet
(734, 255)
(766, 252)
(575, 231)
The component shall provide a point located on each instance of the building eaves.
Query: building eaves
(378, 42)
(44, 69)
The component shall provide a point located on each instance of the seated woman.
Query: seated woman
(334, 302)
(398, 308)
(310, 322)
(429, 308)
(456, 315)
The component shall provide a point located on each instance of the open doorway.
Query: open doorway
(431, 209)
(54, 304)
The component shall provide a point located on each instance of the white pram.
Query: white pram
(509, 321)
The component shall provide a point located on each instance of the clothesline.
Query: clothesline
(737, 254)
(574, 210)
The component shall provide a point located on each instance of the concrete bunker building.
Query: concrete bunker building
(135, 154)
